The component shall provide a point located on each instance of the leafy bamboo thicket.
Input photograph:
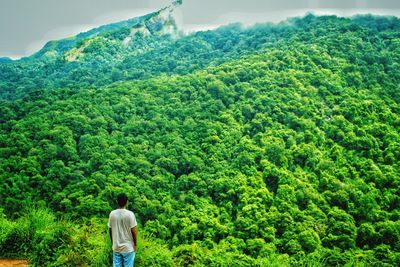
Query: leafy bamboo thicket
(270, 152)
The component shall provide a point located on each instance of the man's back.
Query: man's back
(121, 221)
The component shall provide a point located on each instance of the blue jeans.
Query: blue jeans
(123, 259)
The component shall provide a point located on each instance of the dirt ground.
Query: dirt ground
(13, 263)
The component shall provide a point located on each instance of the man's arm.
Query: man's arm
(110, 231)
(133, 231)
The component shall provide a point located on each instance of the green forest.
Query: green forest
(270, 145)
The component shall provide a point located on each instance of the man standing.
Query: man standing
(122, 224)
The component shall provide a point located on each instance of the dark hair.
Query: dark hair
(122, 199)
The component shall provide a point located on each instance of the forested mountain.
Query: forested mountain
(129, 49)
(273, 145)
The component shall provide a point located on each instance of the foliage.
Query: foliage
(284, 153)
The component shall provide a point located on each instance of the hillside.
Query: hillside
(128, 52)
(274, 145)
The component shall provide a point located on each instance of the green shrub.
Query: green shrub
(152, 253)
(6, 229)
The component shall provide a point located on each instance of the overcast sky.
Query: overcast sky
(26, 25)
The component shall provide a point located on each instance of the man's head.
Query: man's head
(122, 200)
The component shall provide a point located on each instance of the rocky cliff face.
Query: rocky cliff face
(161, 22)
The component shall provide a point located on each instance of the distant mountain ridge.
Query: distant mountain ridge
(158, 22)
(63, 45)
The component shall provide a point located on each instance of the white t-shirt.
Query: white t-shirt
(121, 221)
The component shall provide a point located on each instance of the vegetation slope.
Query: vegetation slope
(285, 154)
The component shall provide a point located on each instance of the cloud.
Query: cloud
(190, 28)
(120, 15)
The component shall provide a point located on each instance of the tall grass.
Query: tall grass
(47, 241)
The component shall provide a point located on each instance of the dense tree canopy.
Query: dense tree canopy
(273, 144)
